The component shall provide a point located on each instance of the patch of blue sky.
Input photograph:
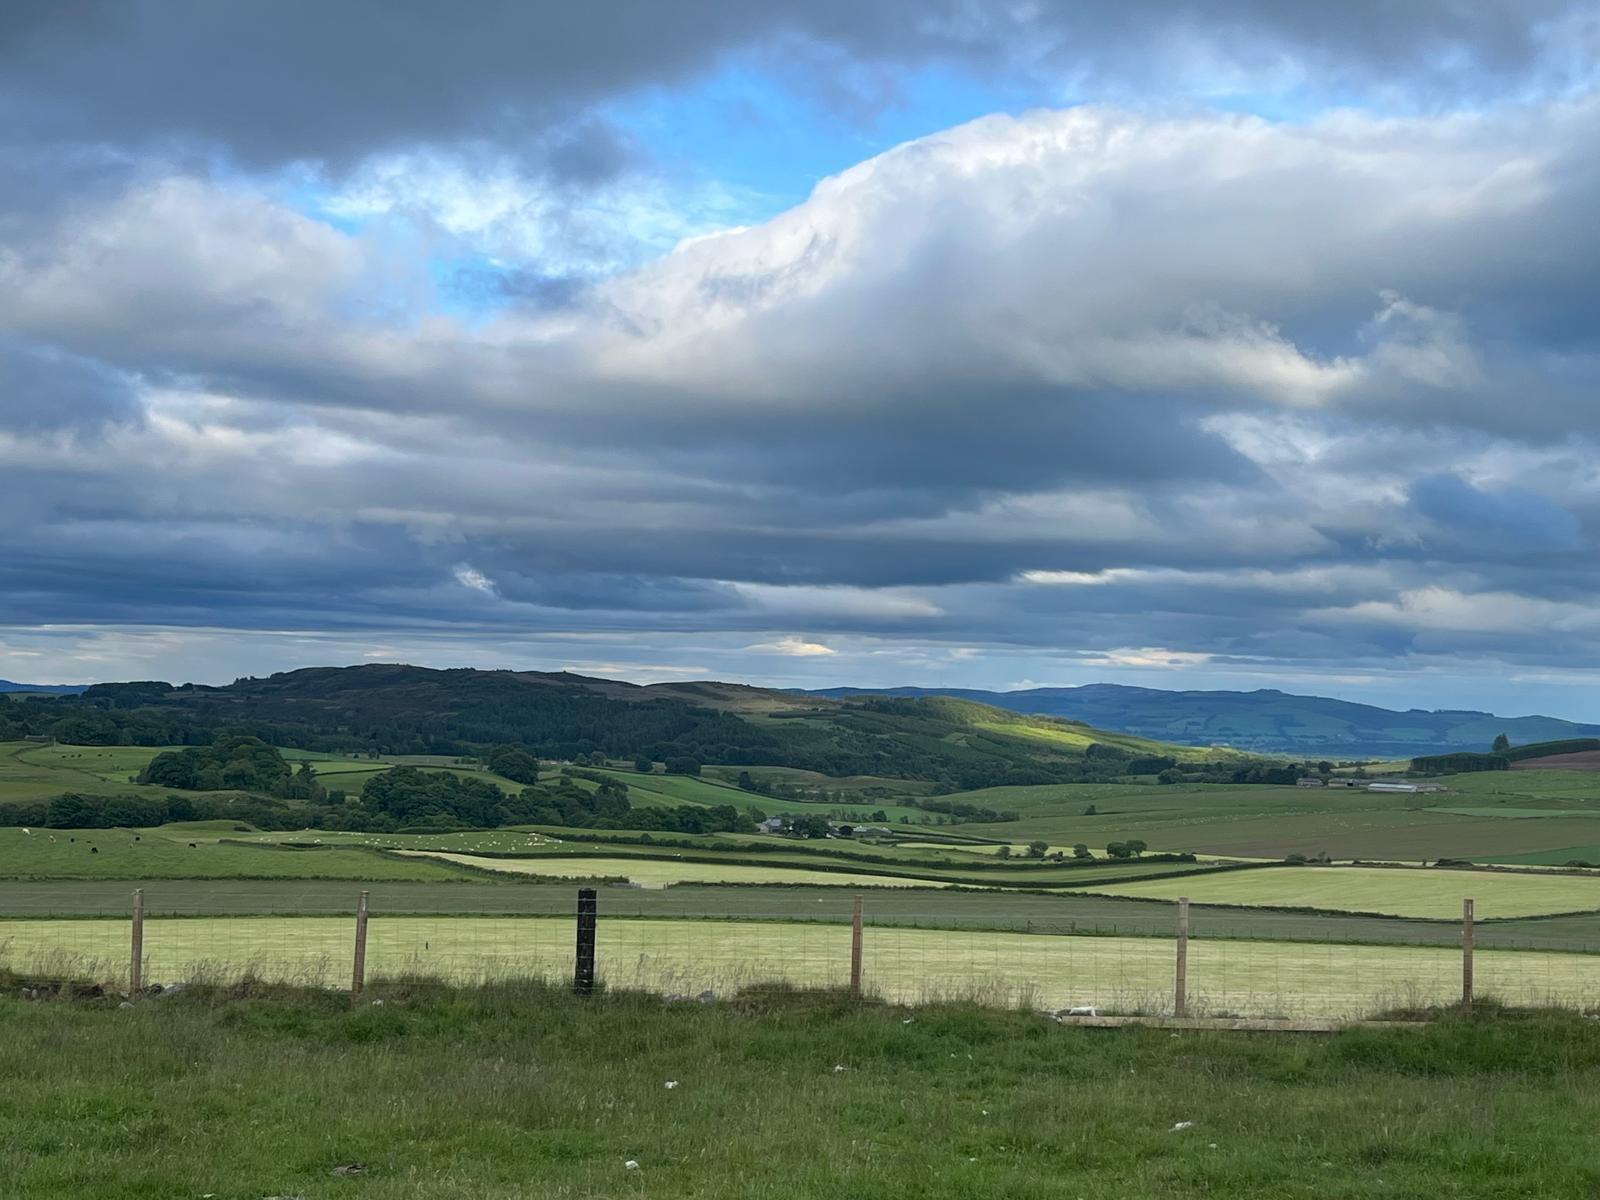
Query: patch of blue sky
(747, 129)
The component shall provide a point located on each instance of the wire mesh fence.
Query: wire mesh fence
(693, 945)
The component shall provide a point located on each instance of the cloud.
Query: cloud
(794, 647)
(1147, 656)
(249, 79)
(471, 577)
(1120, 389)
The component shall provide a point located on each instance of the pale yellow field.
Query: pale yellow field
(905, 965)
(1395, 891)
(656, 873)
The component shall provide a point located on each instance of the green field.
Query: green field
(523, 1093)
(1410, 892)
(167, 853)
(1020, 912)
(1272, 822)
(29, 771)
(902, 965)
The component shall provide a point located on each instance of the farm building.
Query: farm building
(1308, 781)
(771, 825)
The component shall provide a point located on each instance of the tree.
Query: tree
(745, 782)
(683, 765)
(1037, 849)
(810, 827)
(1082, 851)
(1090, 811)
(1003, 852)
(1135, 847)
(1501, 744)
(1118, 850)
(511, 763)
(643, 765)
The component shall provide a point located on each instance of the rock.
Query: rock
(706, 997)
(349, 1169)
(172, 989)
(630, 1165)
(126, 1004)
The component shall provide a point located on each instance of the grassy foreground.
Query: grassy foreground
(503, 1093)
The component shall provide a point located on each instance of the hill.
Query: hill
(49, 689)
(397, 709)
(1267, 721)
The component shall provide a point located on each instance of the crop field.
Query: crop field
(909, 966)
(1273, 822)
(662, 873)
(1409, 892)
(174, 853)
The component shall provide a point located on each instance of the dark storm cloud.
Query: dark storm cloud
(277, 80)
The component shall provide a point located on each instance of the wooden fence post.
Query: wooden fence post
(358, 974)
(1466, 954)
(855, 950)
(583, 972)
(1180, 985)
(136, 963)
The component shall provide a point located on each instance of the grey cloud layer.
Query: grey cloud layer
(1291, 396)
(276, 80)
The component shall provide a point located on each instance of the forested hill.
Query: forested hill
(394, 709)
(1266, 721)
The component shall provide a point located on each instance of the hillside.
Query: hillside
(1267, 721)
(396, 709)
(48, 689)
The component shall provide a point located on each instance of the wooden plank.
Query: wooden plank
(1466, 954)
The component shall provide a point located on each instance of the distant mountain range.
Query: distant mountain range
(50, 689)
(1267, 721)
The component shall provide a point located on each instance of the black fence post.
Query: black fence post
(583, 974)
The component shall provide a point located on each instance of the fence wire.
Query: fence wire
(691, 946)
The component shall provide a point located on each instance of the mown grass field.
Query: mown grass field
(515, 1093)
(913, 966)
(662, 873)
(1408, 892)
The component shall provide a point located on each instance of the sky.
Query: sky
(1230, 345)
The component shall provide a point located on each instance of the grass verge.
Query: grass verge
(522, 1091)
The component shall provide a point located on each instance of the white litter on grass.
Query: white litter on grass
(836, 1070)
(672, 1083)
(1083, 1010)
(1181, 1126)
(631, 1165)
